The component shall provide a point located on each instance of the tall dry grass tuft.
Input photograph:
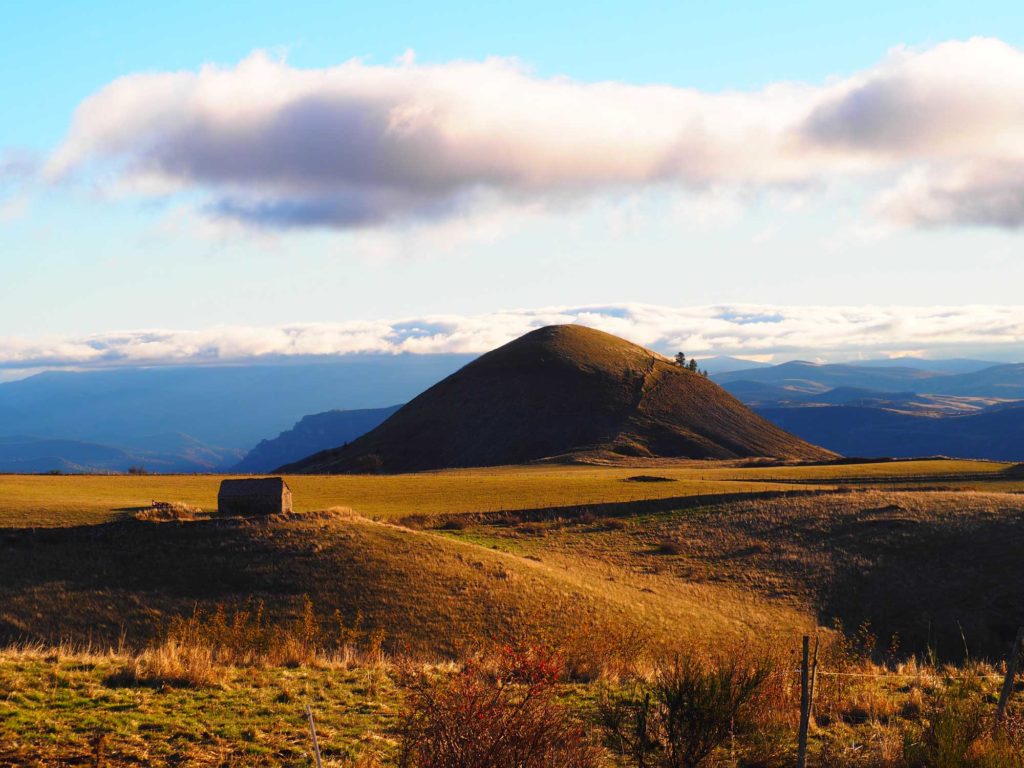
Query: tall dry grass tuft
(244, 637)
(173, 664)
(589, 650)
(198, 649)
(953, 733)
(169, 511)
(693, 706)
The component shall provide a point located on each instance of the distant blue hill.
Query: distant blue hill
(726, 364)
(948, 365)
(996, 433)
(898, 408)
(23, 453)
(310, 435)
(196, 419)
(809, 377)
(1005, 381)
(210, 413)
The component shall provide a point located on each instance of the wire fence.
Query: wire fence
(809, 674)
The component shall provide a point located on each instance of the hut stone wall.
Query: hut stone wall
(255, 496)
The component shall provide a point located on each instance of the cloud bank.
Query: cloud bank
(271, 145)
(784, 331)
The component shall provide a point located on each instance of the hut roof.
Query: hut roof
(255, 485)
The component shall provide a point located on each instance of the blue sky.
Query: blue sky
(92, 254)
(67, 50)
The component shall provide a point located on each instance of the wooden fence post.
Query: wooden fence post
(1011, 674)
(805, 704)
(814, 680)
(312, 731)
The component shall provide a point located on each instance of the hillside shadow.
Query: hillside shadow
(98, 581)
(203, 558)
(935, 587)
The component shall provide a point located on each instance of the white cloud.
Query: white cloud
(986, 193)
(18, 169)
(357, 145)
(747, 330)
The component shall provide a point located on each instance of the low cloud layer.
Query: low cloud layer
(753, 330)
(356, 145)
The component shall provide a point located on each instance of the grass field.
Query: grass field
(87, 499)
(71, 709)
(44, 500)
(67, 710)
(602, 567)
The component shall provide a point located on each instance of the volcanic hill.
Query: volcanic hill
(559, 391)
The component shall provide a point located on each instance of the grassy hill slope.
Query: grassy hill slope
(427, 592)
(561, 390)
(924, 564)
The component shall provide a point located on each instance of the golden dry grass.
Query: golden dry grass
(78, 708)
(39, 500)
(430, 594)
(741, 569)
(60, 706)
(939, 568)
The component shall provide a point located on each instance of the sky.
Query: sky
(202, 181)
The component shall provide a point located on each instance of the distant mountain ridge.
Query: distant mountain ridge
(996, 433)
(726, 364)
(312, 434)
(193, 418)
(559, 391)
(178, 453)
(939, 365)
(204, 418)
(1003, 380)
(893, 410)
(805, 376)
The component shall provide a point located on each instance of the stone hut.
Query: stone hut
(255, 496)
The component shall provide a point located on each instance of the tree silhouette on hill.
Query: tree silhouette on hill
(689, 365)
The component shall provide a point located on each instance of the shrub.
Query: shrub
(168, 511)
(690, 709)
(670, 547)
(599, 650)
(498, 712)
(954, 721)
(533, 529)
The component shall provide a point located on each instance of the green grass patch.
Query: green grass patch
(58, 712)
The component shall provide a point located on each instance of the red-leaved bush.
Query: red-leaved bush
(500, 711)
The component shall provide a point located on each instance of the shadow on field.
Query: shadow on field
(99, 581)
(940, 570)
(126, 579)
(955, 586)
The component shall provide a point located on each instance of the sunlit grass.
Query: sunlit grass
(86, 499)
(65, 710)
(40, 500)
